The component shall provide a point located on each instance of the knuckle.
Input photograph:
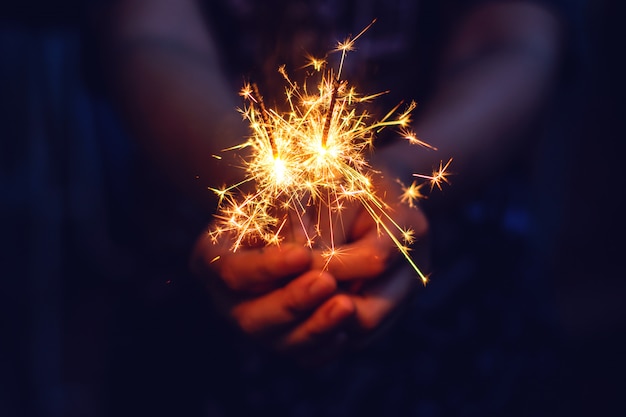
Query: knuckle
(370, 318)
(244, 321)
(369, 321)
(342, 308)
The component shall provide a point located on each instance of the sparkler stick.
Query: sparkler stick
(329, 114)
(259, 100)
(309, 161)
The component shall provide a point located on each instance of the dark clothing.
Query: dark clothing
(480, 338)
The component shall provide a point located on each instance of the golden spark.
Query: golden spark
(412, 193)
(307, 162)
(438, 176)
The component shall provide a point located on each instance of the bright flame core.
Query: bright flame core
(311, 160)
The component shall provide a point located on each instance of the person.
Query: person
(482, 72)
(145, 341)
(496, 72)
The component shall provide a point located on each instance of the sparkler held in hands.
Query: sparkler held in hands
(308, 162)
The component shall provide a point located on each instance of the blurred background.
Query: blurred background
(101, 318)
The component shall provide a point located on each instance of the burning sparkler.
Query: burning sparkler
(307, 162)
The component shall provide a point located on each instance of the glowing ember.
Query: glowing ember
(307, 162)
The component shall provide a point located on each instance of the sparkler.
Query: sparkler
(306, 163)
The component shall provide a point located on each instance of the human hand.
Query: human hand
(279, 295)
(370, 268)
(271, 295)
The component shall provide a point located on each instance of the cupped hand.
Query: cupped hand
(370, 268)
(308, 305)
(271, 295)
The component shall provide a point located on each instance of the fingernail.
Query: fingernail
(340, 310)
(322, 284)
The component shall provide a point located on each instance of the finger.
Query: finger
(285, 306)
(366, 258)
(381, 301)
(376, 247)
(257, 270)
(319, 329)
